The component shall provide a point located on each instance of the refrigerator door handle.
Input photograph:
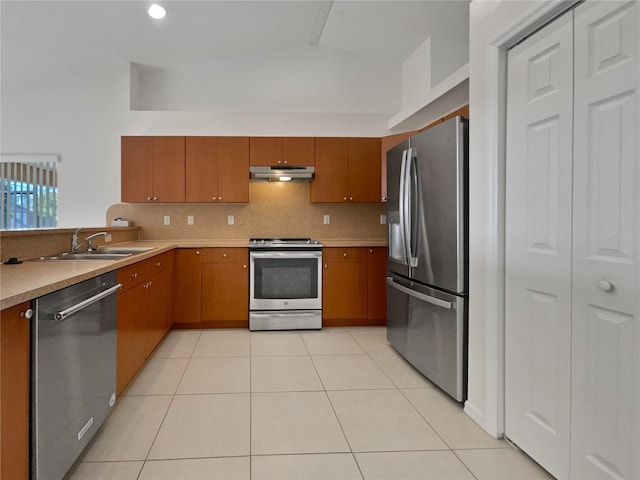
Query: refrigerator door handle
(405, 196)
(410, 179)
(419, 296)
(403, 208)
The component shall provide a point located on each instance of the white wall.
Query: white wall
(490, 22)
(304, 79)
(82, 119)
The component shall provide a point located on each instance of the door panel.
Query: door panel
(606, 232)
(201, 169)
(438, 206)
(233, 169)
(397, 253)
(538, 245)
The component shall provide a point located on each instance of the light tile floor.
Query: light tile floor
(330, 404)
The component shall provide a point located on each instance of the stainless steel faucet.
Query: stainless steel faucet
(90, 247)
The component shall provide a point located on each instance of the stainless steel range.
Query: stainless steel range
(285, 287)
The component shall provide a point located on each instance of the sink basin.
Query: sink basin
(85, 256)
(127, 250)
(102, 253)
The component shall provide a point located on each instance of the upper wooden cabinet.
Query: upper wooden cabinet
(347, 170)
(153, 169)
(217, 169)
(274, 151)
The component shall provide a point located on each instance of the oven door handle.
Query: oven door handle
(286, 254)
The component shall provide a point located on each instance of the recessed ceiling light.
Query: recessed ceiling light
(157, 12)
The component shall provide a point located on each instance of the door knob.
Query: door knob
(605, 286)
(28, 313)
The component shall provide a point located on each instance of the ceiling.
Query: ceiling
(42, 40)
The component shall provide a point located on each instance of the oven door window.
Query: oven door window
(286, 278)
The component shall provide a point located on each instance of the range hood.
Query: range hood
(281, 173)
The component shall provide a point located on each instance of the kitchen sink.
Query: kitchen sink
(126, 250)
(102, 253)
(85, 256)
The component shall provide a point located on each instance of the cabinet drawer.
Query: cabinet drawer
(132, 275)
(225, 255)
(158, 263)
(349, 254)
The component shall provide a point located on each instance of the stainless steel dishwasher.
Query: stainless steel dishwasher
(73, 372)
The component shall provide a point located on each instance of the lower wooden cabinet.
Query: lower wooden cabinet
(353, 284)
(225, 287)
(144, 313)
(187, 292)
(377, 285)
(212, 287)
(15, 354)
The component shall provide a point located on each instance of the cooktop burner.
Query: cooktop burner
(306, 243)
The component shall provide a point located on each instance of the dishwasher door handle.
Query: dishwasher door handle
(62, 314)
(420, 296)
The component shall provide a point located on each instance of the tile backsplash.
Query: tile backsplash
(274, 210)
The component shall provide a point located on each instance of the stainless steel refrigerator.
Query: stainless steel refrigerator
(427, 279)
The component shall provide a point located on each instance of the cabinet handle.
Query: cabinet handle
(344, 254)
(224, 255)
(155, 198)
(150, 283)
(197, 252)
(279, 161)
(244, 266)
(325, 265)
(351, 199)
(28, 313)
(384, 199)
(219, 199)
(149, 198)
(134, 275)
(371, 250)
(158, 264)
(345, 199)
(214, 199)
(285, 162)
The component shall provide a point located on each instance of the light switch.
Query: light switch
(107, 238)
(326, 220)
(230, 219)
(383, 219)
(189, 219)
(167, 220)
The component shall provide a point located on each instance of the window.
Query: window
(28, 191)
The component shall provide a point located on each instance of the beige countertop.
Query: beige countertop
(32, 279)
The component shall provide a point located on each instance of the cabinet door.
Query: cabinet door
(201, 163)
(136, 169)
(156, 305)
(187, 286)
(538, 246)
(332, 158)
(266, 151)
(344, 292)
(233, 169)
(298, 151)
(605, 349)
(377, 287)
(131, 335)
(225, 292)
(168, 169)
(365, 170)
(14, 392)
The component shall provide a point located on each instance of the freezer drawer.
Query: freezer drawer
(428, 328)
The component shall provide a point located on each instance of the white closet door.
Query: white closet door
(538, 245)
(606, 256)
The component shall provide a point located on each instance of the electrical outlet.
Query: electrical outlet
(326, 220)
(189, 219)
(230, 219)
(383, 219)
(167, 220)
(107, 238)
